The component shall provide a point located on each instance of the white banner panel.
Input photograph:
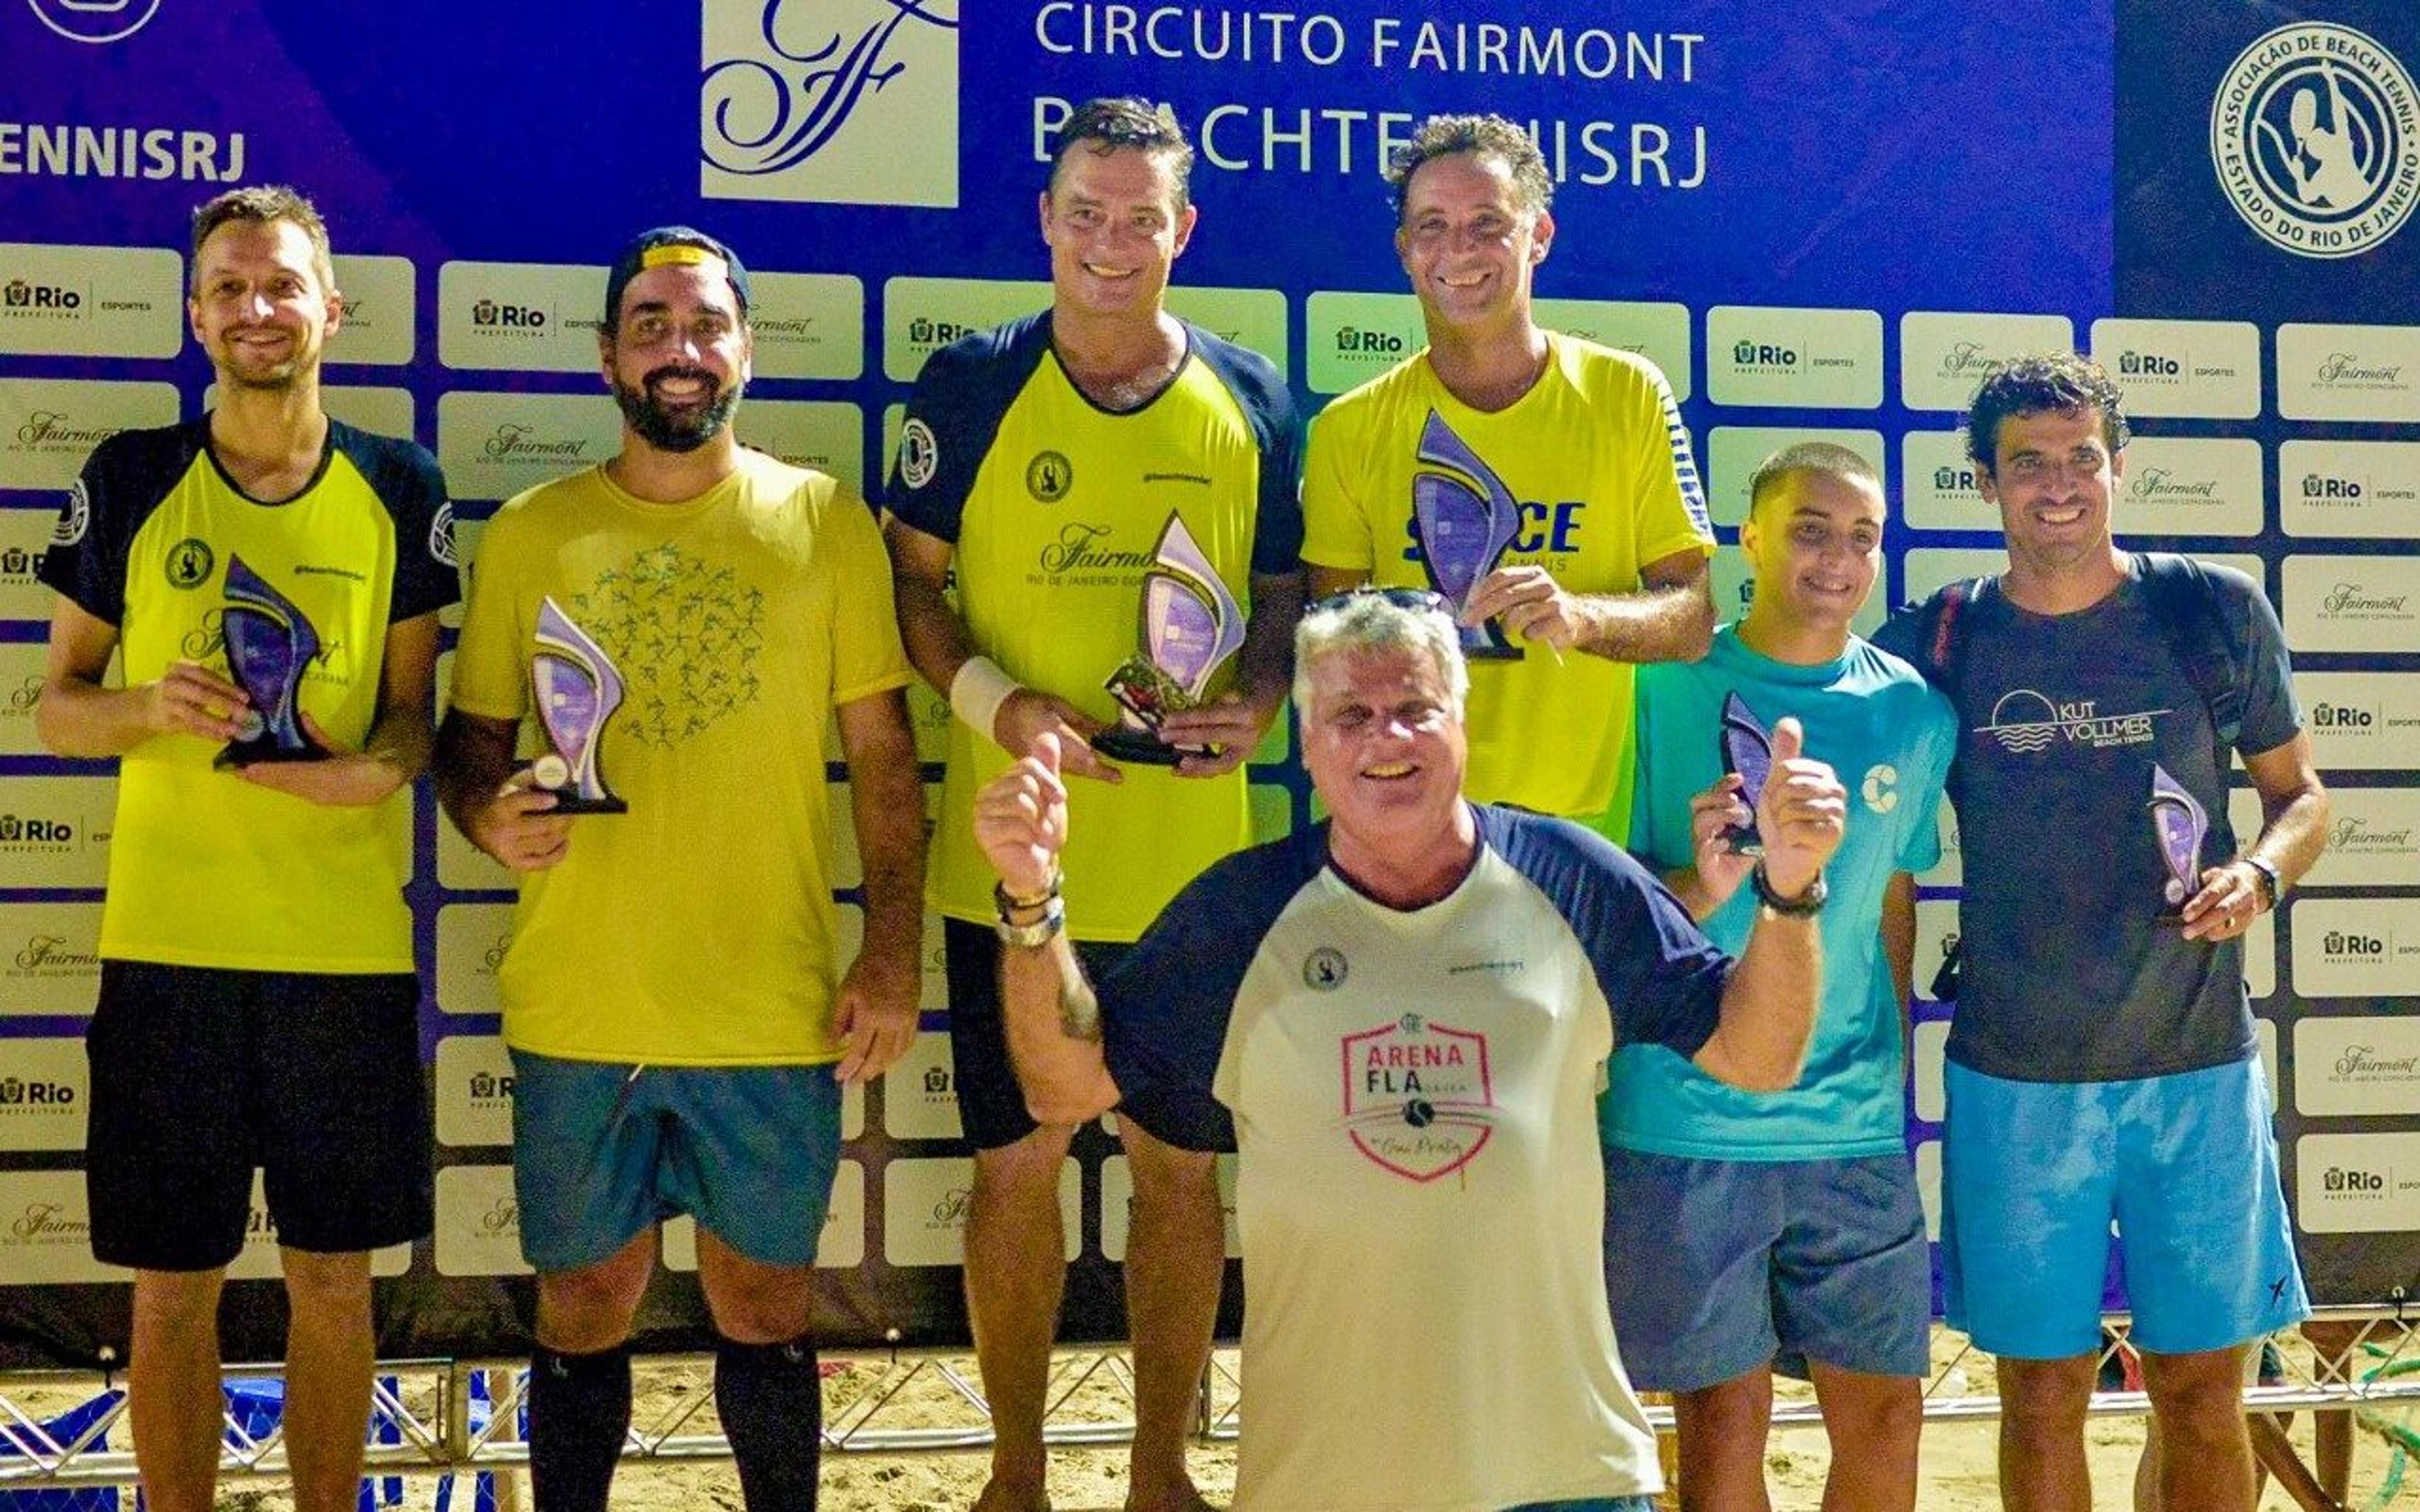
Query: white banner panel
(470, 943)
(1733, 453)
(494, 445)
(2205, 369)
(1944, 357)
(46, 1231)
(45, 1087)
(825, 435)
(1796, 358)
(805, 325)
(919, 1096)
(924, 1210)
(2364, 1183)
(475, 1091)
(2348, 371)
(2362, 721)
(522, 317)
(49, 427)
(2369, 604)
(91, 301)
(379, 293)
(24, 536)
(2355, 947)
(1931, 1044)
(50, 961)
(55, 830)
(1939, 483)
(2367, 1065)
(478, 1222)
(2192, 486)
(2360, 489)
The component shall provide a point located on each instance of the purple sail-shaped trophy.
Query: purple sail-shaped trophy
(1463, 531)
(2179, 825)
(1191, 625)
(270, 645)
(577, 690)
(1747, 751)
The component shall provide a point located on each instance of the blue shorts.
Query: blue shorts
(2034, 1173)
(603, 1152)
(1715, 1267)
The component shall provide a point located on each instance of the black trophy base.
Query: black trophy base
(1139, 748)
(567, 802)
(1489, 651)
(263, 750)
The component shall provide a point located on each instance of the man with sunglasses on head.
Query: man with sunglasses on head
(1399, 1018)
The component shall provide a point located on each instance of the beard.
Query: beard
(677, 430)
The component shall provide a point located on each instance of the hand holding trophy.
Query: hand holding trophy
(1191, 627)
(576, 689)
(270, 645)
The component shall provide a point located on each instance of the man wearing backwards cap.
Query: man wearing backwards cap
(681, 1031)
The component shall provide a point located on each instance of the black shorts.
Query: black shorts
(199, 1076)
(990, 1104)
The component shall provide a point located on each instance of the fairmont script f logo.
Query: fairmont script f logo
(835, 101)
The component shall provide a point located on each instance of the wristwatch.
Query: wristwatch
(1033, 934)
(1805, 905)
(2272, 886)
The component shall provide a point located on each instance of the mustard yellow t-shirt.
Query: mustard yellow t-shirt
(205, 868)
(697, 928)
(1601, 464)
(1056, 507)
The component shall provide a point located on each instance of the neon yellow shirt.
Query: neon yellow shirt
(1597, 458)
(205, 868)
(1055, 507)
(697, 928)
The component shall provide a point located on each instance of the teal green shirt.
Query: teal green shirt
(1890, 738)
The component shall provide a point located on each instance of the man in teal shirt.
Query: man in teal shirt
(1742, 1230)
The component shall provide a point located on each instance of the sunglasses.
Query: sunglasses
(1419, 600)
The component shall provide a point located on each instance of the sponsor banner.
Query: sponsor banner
(380, 294)
(919, 1098)
(2355, 947)
(1797, 359)
(2192, 486)
(260, 1260)
(21, 689)
(475, 1091)
(1947, 873)
(2369, 1065)
(1350, 338)
(1733, 453)
(46, 1231)
(805, 325)
(1117, 1207)
(1734, 587)
(44, 1090)
(779, 119)
(2202, 369)
(520, 318)
(472, 940)
(1944, 357)
(2373, 837)
(2364, 1183)
(2360, 721)
(1657, 332)
(49, 959)
(2369, 604)
(921, 315)
(841, 1246)
(478, 1222)
(2348, 371)
(24, 536)
(55, 830)
(1930, 1042)
(381, 410)
(1937, 932)
(91, 301)
(49, 427)
(924, 1210)
(1939, 486)
(494, 445)
(821, 433)
(2364, 490)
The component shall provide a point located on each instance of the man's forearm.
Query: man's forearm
(887, 806)
(402, 738)
(1054, 1034)
(1667, 624)
(1264, 666)
(80, 718)
(1769, 1006)
(1898, 933)
(473, 758)
(2294, 836)
(937, 639)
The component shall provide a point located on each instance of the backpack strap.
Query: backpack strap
(1938, 640)
(2186, 603)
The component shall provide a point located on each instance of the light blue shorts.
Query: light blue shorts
(602, 1152)
(2035, 1173)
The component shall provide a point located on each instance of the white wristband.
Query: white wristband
(977, 692)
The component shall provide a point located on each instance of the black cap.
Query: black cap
(670, 244)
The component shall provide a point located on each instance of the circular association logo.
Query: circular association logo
(1048, 476)
(919, 455)
(190, 561)
(2315, 136)
(1323, 970)
(440, 537)
(75, 520)
(95, 20)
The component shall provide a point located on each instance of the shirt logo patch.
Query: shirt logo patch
(440, 537)
(1420, 1099)
(1881, 787)
(2025, 723)
(190, 562)
(74, 519)
(919, 455)
(1049, 477)
(1323, 970)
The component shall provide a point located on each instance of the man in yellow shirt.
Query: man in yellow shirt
(1572, 453)
(680, 1026)
(1057, 465)
(259, 1004)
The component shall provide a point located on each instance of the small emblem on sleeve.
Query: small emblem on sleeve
(440, 537)
(919, 455)
(190, 562)
(1048, 476)
(1323, 970)
(76, 518)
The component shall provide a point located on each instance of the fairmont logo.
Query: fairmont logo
(53, 430)
(1969, 360)
(2360, 1063)
(2159, 485)
(2355, 835)
(502, 1218)
(1078, 550)
(516, 442)
(51, 954)
(950, 1209)
(2347, 370)
(47, 1222)
(2348, 601)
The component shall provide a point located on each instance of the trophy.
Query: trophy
(269, 646)
(1463, 531)
(1191, 625)
(577, 691)
(2179, 825)
(1747, 751)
